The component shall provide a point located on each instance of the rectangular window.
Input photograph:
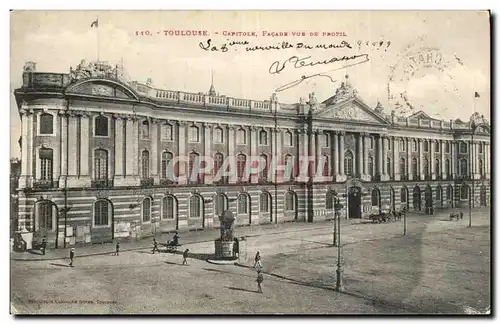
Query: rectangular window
(193, 134)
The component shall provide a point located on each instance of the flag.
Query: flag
(95, 23)
(476, 95)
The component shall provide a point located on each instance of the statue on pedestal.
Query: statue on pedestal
(227, 226)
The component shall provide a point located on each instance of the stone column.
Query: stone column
(119, 150)
(341, 148)
(487, 160)
(453, 160)
(63, 146)
(135, 153)
(380, 154)
(25, 152)
(84, 148)
(208, 151)
(408, 143)
(278, 158)
(366, 138)
(395, 158)
(421, 158)
(254, 178)
(385, 152)
(182, 165)
(29, 146)
(431, 160)
(154, 150)
(443, 171)
(73, 150)
(233, 177)
(335, 155)
(315, 148)
(129, 148)
(360, 155)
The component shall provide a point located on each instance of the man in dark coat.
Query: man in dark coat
(117, 250)
(71, 257)
(260, 279)
(185, 256)
(155, 246)
(43, 246)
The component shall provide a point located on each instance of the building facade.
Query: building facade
(96, 151)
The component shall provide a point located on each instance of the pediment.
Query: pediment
(421, 115)
(102, 88)
(353, 111)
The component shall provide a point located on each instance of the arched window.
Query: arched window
(402, 146)
(437, 166)
(243, 203)
(241, 136)
(449, 192)
(326, 165)
(100, 164)
(169, 207)
(146, 209)
(167, 132)
(463, 167)
(370, 166)
(263, 167)
(265, 202)
(46, 156)
(330, 200)
(46, 124)
(426, 167)
(426, 146)
(348, 163)
(462, 147)
(45, 216)
(101, 126)
(439, 192)
(402, 166)
(289, 168)
(376, 197)
(145, 129)
(416, 198)
(414, 167)
(288, 138)
(464, 192)
(194, 134)
(167, 167)
(218, 161)
(220, 204)
(290, 201)
(388, 162)
(447, 170)
(102, 212)
(404, 195)
(262, 137)
(194, 175)
(195, 206)
(480, 165)
(241, 162)
(218, 135)
(145, 164)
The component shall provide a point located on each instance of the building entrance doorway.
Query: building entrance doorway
(354, 202)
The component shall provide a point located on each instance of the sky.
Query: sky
(56, 40)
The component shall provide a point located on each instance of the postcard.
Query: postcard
(250, 162)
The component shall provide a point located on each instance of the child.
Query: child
(185, 256)
(43, 246)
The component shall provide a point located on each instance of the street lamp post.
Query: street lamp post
(404, 221)
(337, 207)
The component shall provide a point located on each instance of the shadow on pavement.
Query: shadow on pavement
(172, 263)
(60, 265)
(242, 289)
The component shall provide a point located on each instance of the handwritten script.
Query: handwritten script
(297, 62)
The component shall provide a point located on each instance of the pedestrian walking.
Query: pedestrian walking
(185, 256)
(155, 246)
(236, 248)
(71, 257)
(257, 260)
(43, 246)
(461, 215)
(260, 279)
(117, 249)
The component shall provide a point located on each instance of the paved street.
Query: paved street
(439, 267)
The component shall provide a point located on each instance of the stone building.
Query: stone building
(96, 150)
